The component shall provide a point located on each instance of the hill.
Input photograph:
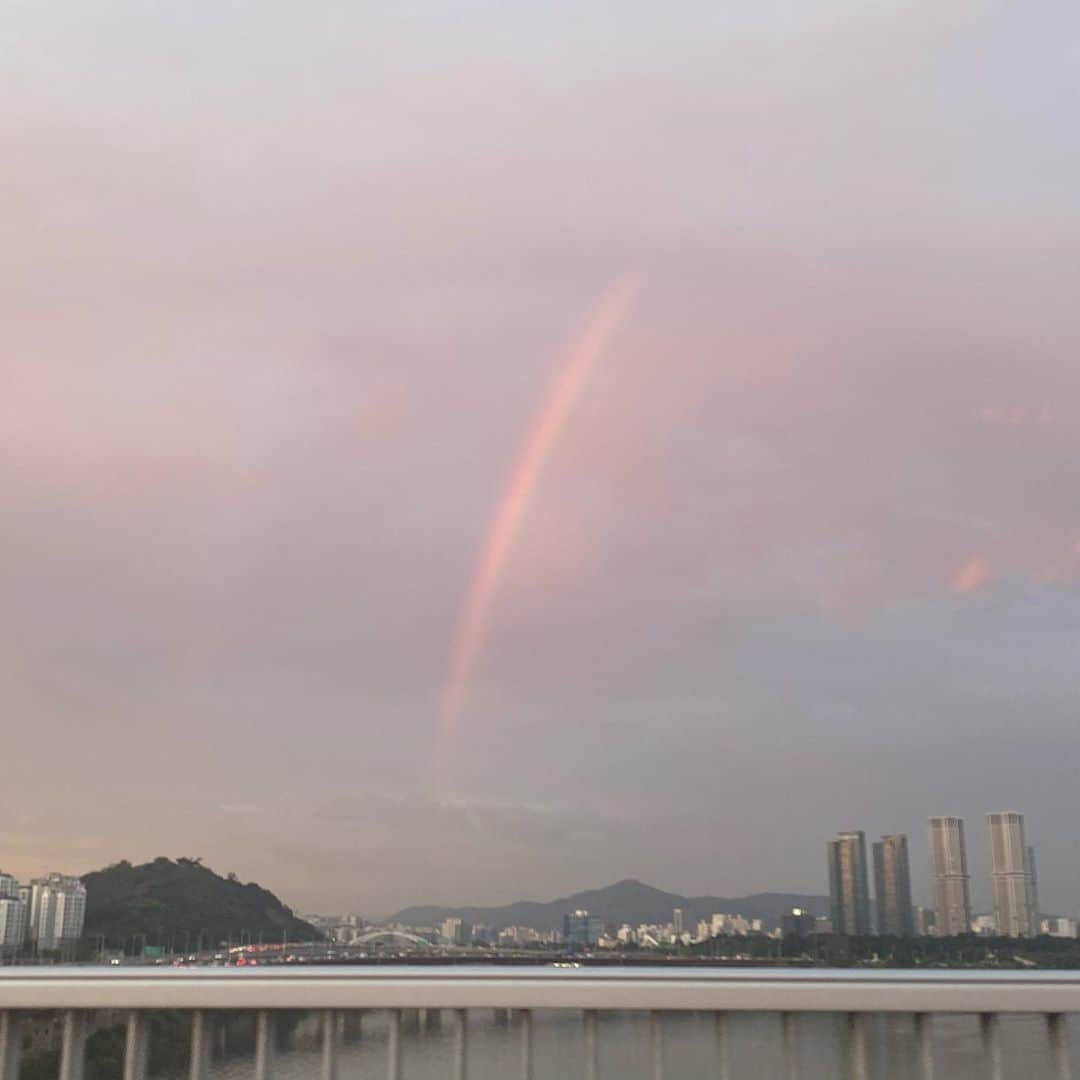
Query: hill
(627, 901)
(183, 901)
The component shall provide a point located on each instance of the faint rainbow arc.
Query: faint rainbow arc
(549, 422)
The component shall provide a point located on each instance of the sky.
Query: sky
(288, 293)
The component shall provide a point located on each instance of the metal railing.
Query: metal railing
(77, 992)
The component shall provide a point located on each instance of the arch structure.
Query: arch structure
(373, 936)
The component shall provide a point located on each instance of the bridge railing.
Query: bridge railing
(77, 992)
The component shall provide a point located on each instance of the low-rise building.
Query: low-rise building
(1059, 926)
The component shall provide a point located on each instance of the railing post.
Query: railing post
(857, 1056)
(723, 1053)
(924, 1045)
(592, 1051)
(990, 1029)
(656, 1038)
(1057, 1028)
(201, 1041)
(73, 1048)
(393, 1053)
(10, 1045)
(791, 1045)
(526, 1044)
(353, 1025)
(461, 1044)
(136, 1045)
(329, 1044)
(264, 1045)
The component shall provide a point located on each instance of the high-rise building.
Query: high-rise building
(12, 925)
(8, 886)
(1010, 875)
(892, 887)
(798, 923)
(57, 911)
(949, 877)
(456, 931)
(581, 928)
(848, 886)
(677, 921)
(1033, 892)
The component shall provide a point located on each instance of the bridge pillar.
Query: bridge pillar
(10, 1045)
(354, 1025)
(433, 1019)
(410, 1020)
(502, 1017)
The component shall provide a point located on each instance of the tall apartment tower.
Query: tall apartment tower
(12, 926)
(949, 874)
(1033, 892)
(892, 887)
(848, 886)
(1010, 875)
(57, 911)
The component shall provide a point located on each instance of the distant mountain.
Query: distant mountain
(166, 900)
(627, 901)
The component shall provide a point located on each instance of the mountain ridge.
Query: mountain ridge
(627, 901)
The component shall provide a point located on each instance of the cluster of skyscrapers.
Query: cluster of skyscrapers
(1012, 876)
(48, 914)
(849, 885)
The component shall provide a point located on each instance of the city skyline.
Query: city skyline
(1015, 904)
(46, 914)
(947, 884)
(889, 909)
(682, 406)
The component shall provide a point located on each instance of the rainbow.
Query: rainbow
(549, 422)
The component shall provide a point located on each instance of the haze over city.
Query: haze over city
(315, 564)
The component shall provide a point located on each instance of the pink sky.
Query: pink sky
(283, 291)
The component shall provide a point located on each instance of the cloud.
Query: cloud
(971, 576)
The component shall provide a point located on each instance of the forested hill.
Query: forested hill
(181, 901)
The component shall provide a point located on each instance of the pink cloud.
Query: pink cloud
(971, 576)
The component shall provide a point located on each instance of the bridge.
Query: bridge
(316, 951)
(379, 935)
(790, 996)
